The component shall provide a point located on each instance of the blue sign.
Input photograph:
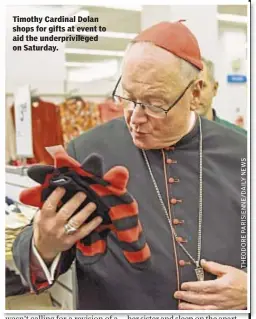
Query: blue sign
(236, 78)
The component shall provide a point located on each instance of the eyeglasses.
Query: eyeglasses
(151, 110)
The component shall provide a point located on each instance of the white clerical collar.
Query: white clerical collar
(192, 121)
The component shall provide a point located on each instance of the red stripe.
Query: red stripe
(81, 172)
(123, 211)
(118, 177)
(32, 196)
(116, 191)
(138, 256)
(129, 235)
(98, 247)
(47, 180)
(62, 159)
(33, 277)
(40, 285)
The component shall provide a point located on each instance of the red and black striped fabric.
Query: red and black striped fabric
(118, 209)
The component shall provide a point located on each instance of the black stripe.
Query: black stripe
(113, 200)
(46, 192)
(86, 179)
(134, 246)
(77, 184)
(39, 172)
(88, 260)
(102, 202)
(94, 237)
(126, 223)
(109, 200)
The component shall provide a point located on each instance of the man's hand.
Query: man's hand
(228, 291)
(49, 232)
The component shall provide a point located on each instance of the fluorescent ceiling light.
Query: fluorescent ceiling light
(118, 6)
(108, 34)
(89, 77)
(92, 71)
(76, 65)
(81, 13)
(89, 65)
(232, 18)
(95, 52)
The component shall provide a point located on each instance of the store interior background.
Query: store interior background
(91, 70)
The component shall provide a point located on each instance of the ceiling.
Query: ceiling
(115, 20)
(121, 21)
(237, 10)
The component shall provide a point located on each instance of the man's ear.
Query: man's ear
(215, 88)
(196, 93)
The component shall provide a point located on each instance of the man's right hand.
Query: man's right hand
(49, 233)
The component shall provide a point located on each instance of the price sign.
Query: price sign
(23, 122)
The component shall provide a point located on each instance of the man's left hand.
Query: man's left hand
(228, 291)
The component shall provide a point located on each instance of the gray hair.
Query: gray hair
(210, 69)
(187, 70)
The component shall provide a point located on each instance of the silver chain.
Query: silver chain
(200, 212)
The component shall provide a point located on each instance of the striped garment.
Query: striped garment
(118, 209)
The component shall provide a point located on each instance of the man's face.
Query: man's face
(151, 75)
(209, 90)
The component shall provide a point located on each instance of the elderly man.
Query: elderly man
(208, 92)
(186, 182)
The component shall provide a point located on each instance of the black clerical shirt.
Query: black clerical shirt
(112, 283)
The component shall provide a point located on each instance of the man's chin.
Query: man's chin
(140, 143)
(202, 111)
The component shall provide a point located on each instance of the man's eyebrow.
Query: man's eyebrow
(157, 96)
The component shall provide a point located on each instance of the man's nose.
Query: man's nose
(138, 115)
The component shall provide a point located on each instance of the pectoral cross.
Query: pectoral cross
(199, 273)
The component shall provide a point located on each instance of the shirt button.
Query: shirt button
(175, 221)
(170, 161)
(183, 263)
(181, 240)
(173, 180)
(173, 201)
